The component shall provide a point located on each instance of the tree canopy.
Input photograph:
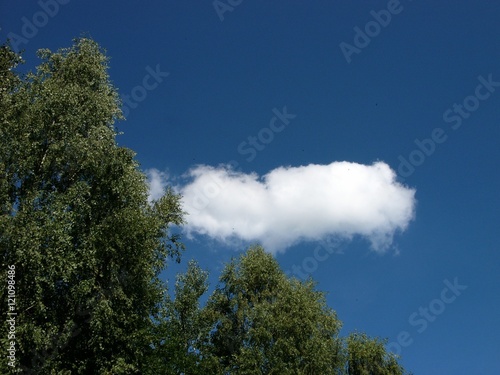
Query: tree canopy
(76, 222)
(88, 248)
(266, 323)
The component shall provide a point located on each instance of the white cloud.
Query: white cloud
(157, 182)
(291, 204)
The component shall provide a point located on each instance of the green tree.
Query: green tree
(259, 321)
(181, 327)
(266, 323)
(75, 220)
(368, 356)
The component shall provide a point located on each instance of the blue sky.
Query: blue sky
(411, 87)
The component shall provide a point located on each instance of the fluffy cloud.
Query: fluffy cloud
(291, 204)
(157, 182)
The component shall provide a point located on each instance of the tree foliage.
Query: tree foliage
(367, 356)
(75, 219)
(260, 321)
(266, 323)
(181, 328)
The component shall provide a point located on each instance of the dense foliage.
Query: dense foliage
(75, 219)
(88, 248)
